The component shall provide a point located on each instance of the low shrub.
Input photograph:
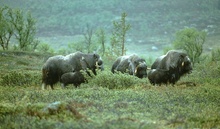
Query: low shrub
(115, 81)
(19, 78)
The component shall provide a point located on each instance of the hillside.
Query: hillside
(131, 103)
(153, 22)
(148, 18)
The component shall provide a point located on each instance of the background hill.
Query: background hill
(153, 22)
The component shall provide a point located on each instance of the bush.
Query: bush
(15, 78)
(45, 48)
(14, 23)
(190, 40)
(206, 72)
(115, 81)
(215, 55)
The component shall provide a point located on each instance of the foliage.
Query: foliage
(109, 80)
(6, 29)
(24, 29)
(118, 36)
(44, 47)
(190, 40)
(88, 38)
(101, 37)
(206, 72)
(15, 78)
(215, 54)
(15, 23)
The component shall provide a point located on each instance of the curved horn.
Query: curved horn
(135, 71)
(96, 64)
(182, 64)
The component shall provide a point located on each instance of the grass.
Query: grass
(107, 101)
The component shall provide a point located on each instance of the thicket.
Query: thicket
(19, 78)
(15, 24)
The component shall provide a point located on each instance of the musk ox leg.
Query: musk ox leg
(51, 86)
(43, 86)
(63, 85)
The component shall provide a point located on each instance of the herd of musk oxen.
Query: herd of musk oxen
(167, 69)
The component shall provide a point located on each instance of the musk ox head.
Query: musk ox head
(98, 62)
(140, 68)
(93, 61)
(132, 64)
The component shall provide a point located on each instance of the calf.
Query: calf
(75, 78)
(159, 76)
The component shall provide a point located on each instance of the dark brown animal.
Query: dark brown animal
(133, 64)
(58, 65)
(75, 78)
(175, 64)
(158, 76)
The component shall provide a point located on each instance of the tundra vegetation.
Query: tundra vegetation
(108, 100)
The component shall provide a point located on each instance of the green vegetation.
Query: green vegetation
(6, 29)
(215, 54)
(88, 38)
(14, 23)
(108, 100)
(190, 40)
(101, 38)
(118, 36)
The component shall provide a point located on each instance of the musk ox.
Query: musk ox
(174, 65)
(161, 76)
(75, 78)
(133, 64)
(56, 66)
(158, 76)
